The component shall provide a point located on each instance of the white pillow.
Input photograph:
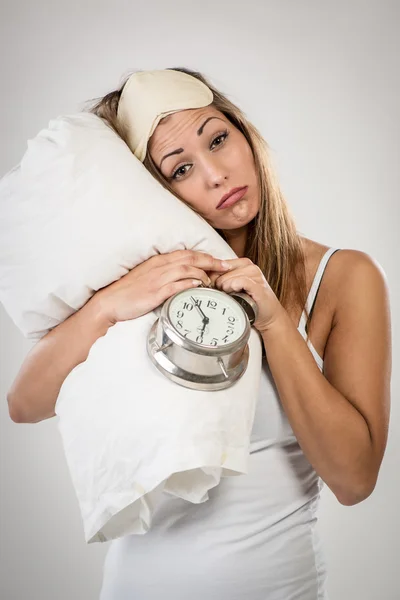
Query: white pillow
(78, 213)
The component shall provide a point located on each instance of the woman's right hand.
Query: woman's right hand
(152, 282)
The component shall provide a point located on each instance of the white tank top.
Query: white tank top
(255, 538)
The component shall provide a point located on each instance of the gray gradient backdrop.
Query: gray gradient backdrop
(321, 81)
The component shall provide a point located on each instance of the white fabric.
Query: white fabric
(79, 212)
(314, 289)
(257, 538)
(149, 96)
(310, 303)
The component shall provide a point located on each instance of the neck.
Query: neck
(237, 239)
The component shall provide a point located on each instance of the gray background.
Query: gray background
(321, 81)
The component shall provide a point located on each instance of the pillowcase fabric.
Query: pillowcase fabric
(79, 212)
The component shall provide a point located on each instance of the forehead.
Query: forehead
(179, 127)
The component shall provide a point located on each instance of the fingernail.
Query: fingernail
(225, 265)
(197, 282)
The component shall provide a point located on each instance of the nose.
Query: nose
(215, 173)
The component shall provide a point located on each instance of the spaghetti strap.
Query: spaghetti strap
(312, 295)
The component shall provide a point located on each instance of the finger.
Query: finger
(201, 260)
(238, 263)
(174, 287)
(251, 271)
(239, 284)
(176, 272)
(214, 275)
(207, 262)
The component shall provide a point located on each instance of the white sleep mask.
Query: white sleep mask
(149, 96)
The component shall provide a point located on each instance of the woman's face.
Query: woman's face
(204, 158)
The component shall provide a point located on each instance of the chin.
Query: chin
(238, 216)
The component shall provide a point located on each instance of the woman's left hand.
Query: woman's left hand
(245, 276)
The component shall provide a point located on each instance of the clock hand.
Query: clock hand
(202, 329)
(205, 318)
(205, 323)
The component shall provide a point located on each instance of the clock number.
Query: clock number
(188, 306)
(214, 342)
(198, 302)
(231, 326)
(186, 332)
(225, 339)
(180, 314)
(223, 311)
(211, 304)
(179, 324)
(199, 339)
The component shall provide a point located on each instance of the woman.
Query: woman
(324, 320)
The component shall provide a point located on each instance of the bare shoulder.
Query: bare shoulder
(350, 273)
(356, 281)
(349, 263)
(360, 336)
(353, 294)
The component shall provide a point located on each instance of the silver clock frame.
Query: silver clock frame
(192, 365)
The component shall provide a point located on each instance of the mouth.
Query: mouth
(232, 197)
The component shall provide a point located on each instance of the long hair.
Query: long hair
(273, 243)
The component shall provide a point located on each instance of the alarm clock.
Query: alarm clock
(200, 340)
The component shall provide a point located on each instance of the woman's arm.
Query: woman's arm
(340, 418)
(33, 394)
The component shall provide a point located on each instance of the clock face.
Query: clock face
(207, 317)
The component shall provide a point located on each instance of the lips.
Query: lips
(232, 197)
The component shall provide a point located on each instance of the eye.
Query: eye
(182, 170)
(219, 140)
(179, 172)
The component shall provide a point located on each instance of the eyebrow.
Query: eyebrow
(200, 131)
(180, 150)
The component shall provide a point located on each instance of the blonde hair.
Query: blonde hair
(273, 243)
